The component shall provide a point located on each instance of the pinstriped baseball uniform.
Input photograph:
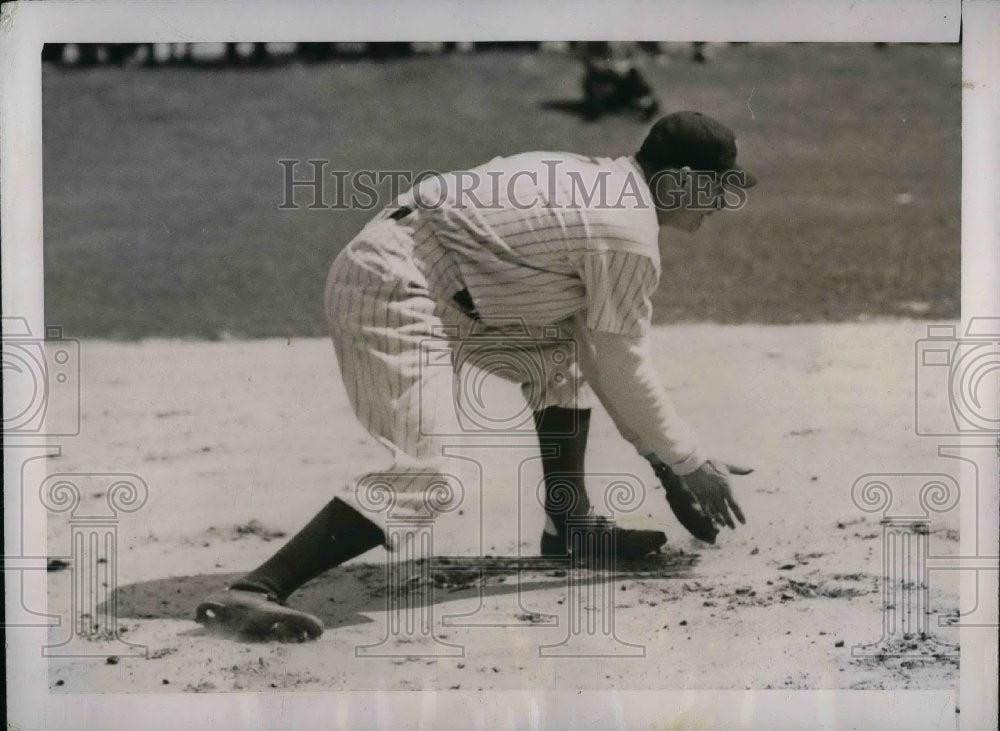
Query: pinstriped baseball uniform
(521, 248)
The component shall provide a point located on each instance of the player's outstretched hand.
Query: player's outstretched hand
(685, 505)
(710, 484)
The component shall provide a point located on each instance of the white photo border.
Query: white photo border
(26, 26)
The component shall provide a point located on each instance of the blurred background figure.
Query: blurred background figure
(612, 81)
(257, 57)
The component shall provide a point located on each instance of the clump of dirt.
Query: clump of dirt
(832, 588)
(532, 618)
(253, 528)
(455, 579)
(948, 534)
(203, 686)
(856, 521)
(785, 589)
(908, 651)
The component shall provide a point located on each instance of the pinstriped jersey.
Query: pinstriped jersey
(543, 236)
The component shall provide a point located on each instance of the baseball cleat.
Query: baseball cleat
(629, 543)
(254, 615)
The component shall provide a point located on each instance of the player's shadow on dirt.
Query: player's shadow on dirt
(342, 596)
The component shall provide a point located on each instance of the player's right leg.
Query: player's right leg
(254, 606)
(379, 316)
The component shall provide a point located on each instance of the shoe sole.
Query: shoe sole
(252, 616)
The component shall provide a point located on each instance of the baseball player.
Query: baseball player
(520, 248)
(612, 80)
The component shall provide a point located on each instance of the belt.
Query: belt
(461, 298)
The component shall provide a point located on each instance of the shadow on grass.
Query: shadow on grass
(580, 109)
(574, 107)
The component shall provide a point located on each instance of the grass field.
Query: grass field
(162, 186)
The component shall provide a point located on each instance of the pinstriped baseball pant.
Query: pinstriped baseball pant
(387, 325)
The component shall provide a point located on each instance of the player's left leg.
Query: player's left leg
(561, 400)
(562, 441)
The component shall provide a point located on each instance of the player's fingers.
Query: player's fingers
(710, 508)
(722, 513)
(737, 511)
(736, 469)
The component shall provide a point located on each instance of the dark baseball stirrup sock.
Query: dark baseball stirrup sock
(337, 533)
(563, 431)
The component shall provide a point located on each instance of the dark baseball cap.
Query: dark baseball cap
(694, 140)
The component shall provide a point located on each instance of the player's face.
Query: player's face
(695, 205)
(691, 217)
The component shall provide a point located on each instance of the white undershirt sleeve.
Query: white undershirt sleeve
(620, 370)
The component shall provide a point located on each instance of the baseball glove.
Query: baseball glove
(685, 505)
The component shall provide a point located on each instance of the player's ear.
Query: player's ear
(667, 185)
(685, 186)
(686, 179)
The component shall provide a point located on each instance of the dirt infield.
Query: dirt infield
(241, 441)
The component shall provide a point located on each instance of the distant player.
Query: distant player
(612, 81)
(548, 240)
